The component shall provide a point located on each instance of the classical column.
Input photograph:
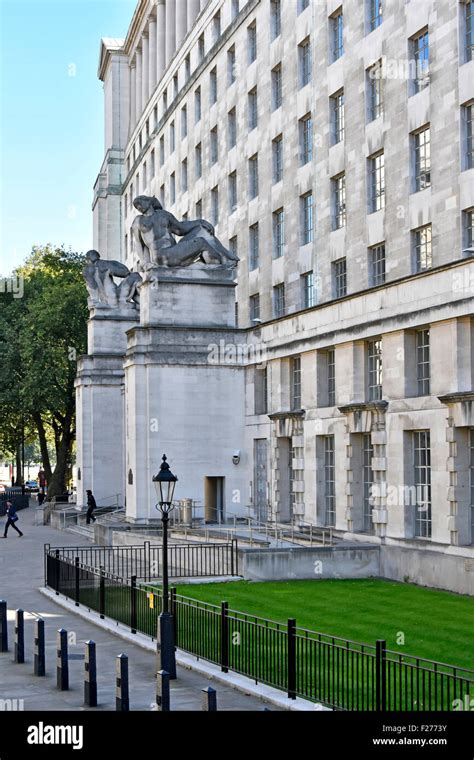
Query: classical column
(170, 34)
(145, 65)
(151, 56)
(181, 21)
(133, 94)
(160, 39)
(138, 89)
(193, 10)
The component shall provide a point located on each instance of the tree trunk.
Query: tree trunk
(43, 446)
(57, 485)
(18, 464)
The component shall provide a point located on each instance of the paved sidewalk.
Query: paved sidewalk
(21, 575)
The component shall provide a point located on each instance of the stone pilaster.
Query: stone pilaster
(152, 61)
(170, 34)
(145, 67)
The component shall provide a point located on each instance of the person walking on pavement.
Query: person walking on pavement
(91, 505)
(12, 517)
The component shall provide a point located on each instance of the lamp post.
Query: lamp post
(164, 484)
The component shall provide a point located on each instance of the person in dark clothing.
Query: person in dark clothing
(91, 505)
(12, 517)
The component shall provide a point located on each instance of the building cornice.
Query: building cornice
(456, 398)
(108, 47)
(364, 406)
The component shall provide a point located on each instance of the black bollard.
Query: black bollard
(39, 655)
(209, 699)
(90, 675)
(122, 701)
(163, 691)
(62, 662)
(3, 626)
(19, 636)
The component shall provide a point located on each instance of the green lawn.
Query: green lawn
(437, 625)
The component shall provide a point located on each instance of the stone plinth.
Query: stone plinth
(107, 327)
(201, 294)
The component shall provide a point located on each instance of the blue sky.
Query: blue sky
(51, 124)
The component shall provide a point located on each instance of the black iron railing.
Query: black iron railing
(336, 672)
(19, 500)
(145, 561)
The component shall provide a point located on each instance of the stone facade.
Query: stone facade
(357, 412)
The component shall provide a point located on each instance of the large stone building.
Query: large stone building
(331, 145)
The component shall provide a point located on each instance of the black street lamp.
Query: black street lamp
(164, 484)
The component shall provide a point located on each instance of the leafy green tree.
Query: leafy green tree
(41, 336)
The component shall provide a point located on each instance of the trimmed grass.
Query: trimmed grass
(437, 625)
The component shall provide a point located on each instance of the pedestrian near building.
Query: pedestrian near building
(12, 518)
(91, 505)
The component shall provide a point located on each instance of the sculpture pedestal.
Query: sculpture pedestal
(199, 294)
(100, 407)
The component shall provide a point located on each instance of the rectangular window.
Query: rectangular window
(172, 188)
(337, 34)
(252, 43)
(339, 278)
(232, 192)
(187, 67)
(201, 47)
(152, 164)
(261, 407)
(305, 63)
(255, 308)
(375, 91)
(423, 258)
(277, 158)
(368, 475)
(377, 265)
(231, 66)
(339, 201)
(184, 175)
(232, 128)
(422, 482)
(374, 370)
(277, 87)
(302, 5)
(197, 105)
(420, 61)
(469, 30)
(198, 160)
(422, 159)
(306, 139)
(234, 8)
(215, 205)
(144, 176)
(165, 101)
(175, 85)
(253, 176)
(233, 245)
(279, 300)
(172, 138)
(162, 195)
(253, 247)
(216, 26)
(278, 233)
(214, 154)
(468, 232)
(423, 362)
(275, 14)
(337, 117)
(308, 292)
(252, 109)
(329, 482)
(376, 183)
(375, 14)
(306, 202)
(184, 122)
(331, 375)
(295, 383)
(155, 117)
(467, 113)
(213, 86)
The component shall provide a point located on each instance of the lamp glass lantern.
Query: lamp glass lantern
(164, 484)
